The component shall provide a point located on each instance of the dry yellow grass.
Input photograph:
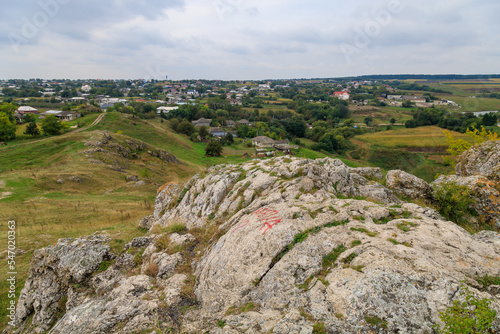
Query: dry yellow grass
(422, 137)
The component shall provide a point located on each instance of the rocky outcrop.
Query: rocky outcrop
(482, 160)
(103, 142)
(408, 185)
(52, 273)
(292, 244)
(74, 288)
(478, 169)
(485, 192)
(228, 189)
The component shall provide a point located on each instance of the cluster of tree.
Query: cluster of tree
(448, 120)
(414, 86)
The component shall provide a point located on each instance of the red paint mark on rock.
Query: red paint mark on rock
(269, 218)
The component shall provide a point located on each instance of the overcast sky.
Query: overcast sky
(237, 39)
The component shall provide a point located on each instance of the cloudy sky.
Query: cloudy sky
(238, 39)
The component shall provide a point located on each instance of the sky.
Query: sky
(253, 40)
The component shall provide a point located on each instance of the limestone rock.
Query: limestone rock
(485, 192)
(370, 173)
(228, 188)
(147, 222)
(481, 159)
(53, 269)
(408, 185)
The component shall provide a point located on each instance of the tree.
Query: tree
(214, 149)
(368, 120)
(228, 139)
(393, 121)
(51, 125)
(186, 128)
(203, 132)
(490, 119)
(32, 130)
(407, 104)
(411, 123)
(331, 142)
(7, 128)
(28, 118)
(242, 131)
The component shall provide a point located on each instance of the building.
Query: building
(202, 122)
(217, 132)
(62, 115)
(165, 110)
(342, 95)
(263, 141)
(26, 110)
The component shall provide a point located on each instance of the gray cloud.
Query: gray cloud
(231, 39)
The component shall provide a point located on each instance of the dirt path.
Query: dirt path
(95, 122)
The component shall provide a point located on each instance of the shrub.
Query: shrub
(454, 201)
(468, 315)
(214, 148)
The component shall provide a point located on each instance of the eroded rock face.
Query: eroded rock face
(485, 192)
(403, 272)
(53, 269)
(482, 159)
(229, 188)
(479, 170)
(408, 185)
(301, 242)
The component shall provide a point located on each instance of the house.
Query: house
(62, 115)
(165, 110)
(26, 110)
(66, 116)
(244, 122)
(342, 95)
(86, 88)
(231, 123)
(263, 141)
(202, 122)
(217, 132)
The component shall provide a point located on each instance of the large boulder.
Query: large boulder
(282, 246)
(485, 192)
(482, 160)
(227, 189)
(408, 185)
(53, 271)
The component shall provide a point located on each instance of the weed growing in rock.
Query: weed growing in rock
(468, 314)
(365, 231)
(355, 243)
(221, 323)
(405, 226)
(454, 201)
(319, 328)
(487, 280)
(376, 321)
(349, 258)
(394, 241)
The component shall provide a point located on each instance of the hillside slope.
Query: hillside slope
(285, 245)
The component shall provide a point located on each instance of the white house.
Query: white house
(165, 110)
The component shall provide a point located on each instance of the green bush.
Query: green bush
(471, 315)
(454, 201)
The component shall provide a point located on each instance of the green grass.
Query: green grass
(421, 137)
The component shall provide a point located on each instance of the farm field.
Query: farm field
(427, 137)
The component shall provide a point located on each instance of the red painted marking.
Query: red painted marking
(268, 217)
(268, 225)
(241, 226)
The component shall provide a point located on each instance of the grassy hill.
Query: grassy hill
(53, 189)
(58, 187)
